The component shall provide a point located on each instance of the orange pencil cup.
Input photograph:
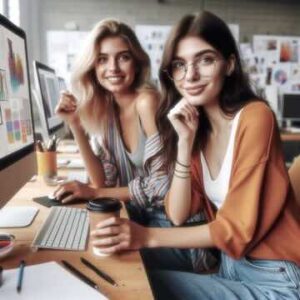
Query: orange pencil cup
(46, 163)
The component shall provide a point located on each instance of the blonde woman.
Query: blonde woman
(112, 101)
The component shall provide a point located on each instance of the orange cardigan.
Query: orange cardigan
(259, 217)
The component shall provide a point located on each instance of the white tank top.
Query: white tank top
(216, 189)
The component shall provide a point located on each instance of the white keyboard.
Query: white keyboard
(66, 228)
(67, 148)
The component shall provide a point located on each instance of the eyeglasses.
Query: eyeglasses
(205, 67)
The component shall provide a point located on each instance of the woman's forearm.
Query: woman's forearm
(122, 193)
(179, 196)
(190, 237)
(92, 163)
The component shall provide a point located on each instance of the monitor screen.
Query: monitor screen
(291, 106)
(16, 128)
(47, 86)
(62, 84)
(16, 121)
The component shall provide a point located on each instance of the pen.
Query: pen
(80, 275)
(98, 272)
(39, 146)
(20, 276)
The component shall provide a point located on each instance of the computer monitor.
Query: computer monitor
(62, 84)
(290, 111)
(47, 96)
(17, 155)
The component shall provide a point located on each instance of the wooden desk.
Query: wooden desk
(126, 268)
(290, 137)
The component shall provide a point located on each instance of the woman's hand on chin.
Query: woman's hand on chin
(184, 118)
(116, 234)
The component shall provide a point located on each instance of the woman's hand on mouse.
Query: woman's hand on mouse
(76, 190)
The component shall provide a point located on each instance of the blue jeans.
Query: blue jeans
(244, 279)
(188, 260)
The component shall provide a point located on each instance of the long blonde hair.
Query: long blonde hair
(94, 101)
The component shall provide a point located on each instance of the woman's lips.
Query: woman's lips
(195, 90)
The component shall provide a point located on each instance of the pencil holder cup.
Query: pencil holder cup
(46, 163)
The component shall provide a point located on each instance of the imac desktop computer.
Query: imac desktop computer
(17, 152)
(46, 92)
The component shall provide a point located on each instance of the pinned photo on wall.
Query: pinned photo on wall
(295, 72)
(281, 74)
(295, 86)
(262, 44)
(289, 51)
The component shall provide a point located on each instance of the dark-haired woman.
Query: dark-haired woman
(229, 163)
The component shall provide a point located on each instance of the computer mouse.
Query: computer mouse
(63, 196)
(60, 199)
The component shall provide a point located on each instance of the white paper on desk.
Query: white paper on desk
(46, 281)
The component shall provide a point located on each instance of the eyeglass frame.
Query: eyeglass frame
(186, 65)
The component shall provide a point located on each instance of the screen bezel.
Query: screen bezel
(38, 65)
(21, 153)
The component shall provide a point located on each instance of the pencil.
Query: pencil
(98, 271)
(80, 275)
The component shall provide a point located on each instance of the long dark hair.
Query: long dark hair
(236, 91)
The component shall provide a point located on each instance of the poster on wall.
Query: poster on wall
(153, 38)
(282, 57)
(62, 48)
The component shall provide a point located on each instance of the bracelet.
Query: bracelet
(183, 177)
(183, 165)
(182, 171)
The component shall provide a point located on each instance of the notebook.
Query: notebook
(46, 281)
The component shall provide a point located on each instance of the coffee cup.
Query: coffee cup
(99, 210)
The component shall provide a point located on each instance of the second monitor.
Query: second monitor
(47, 95)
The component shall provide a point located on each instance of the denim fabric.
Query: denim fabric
(244, 279)
(164, 258)
(189, 260)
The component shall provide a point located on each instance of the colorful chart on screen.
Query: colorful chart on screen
(15, 115)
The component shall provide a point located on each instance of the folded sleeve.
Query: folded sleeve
(107, 161)
(257, 191)
(151, 188)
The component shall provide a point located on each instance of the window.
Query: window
(14, 11)
(2, 7)
(11, 9)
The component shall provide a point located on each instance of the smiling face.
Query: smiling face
(115, 66)
(205, 71)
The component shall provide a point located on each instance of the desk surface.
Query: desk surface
(289, 136)
(126, 268)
